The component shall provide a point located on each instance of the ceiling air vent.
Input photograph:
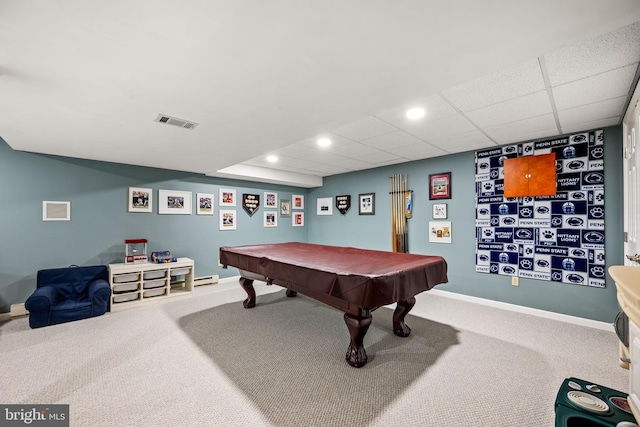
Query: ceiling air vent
(163, 118)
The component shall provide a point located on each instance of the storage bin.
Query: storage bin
(154, 292)
(150, 284)
(125, 297)
(154, 274)
(125, 287)
(180, 271)
(122, 278)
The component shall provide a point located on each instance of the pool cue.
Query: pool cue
(399, 236)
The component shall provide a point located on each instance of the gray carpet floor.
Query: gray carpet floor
(207, 361)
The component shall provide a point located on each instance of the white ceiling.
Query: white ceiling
(87, 79)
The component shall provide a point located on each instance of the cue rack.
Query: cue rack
(401, 204)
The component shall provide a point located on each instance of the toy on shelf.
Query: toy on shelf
(135, 251)
(160, 257)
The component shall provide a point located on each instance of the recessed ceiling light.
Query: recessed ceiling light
(415, 113)
(324, 142)
(272, 159)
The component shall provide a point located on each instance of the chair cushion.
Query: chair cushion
(72, 282)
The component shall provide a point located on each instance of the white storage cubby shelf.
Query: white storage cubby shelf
(135, 284)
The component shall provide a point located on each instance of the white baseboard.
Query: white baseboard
(5, 317)
(527, 310)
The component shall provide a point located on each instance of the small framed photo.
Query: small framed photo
(56, 211)
(270, 200)
(227, 197)
(367, 204)
(440, 211)
(174, 202)
(440, 231)
(270, 219)
(285, 208)
(298, 201)
(324, 206)
(140, 199)
(227, 219)
(440, 186)
(298, 219)
(205, 204)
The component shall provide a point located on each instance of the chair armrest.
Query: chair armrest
(97, 286)
(42, 298)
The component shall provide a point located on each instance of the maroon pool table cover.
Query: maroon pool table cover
(364, 277)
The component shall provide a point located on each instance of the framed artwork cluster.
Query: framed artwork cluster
(366, 204)
(174, 202)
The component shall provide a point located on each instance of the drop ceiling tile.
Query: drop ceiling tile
(597, 124)
(419, 151)
(324, 170)
(598, 88)
(523, 130)
(441, 128)
(353, 164)
(594, 56)
(471, 147)
(500, 86)
(608, 109)
(296, 163)
(435, 108)
(464, 142)
(535, 104)
(325, 157)
(391, 140)
(293, 151)
(354, 150)
(379, 157)
(368, 127)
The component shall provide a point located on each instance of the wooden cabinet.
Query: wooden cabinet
(627, 280)
(634, 367)
(530, 176)
(136, 284)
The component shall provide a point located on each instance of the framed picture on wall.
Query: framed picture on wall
(440, 211)
(285, 208)
(298, 201)
(227, 219)
(440, 231)
(298, 219)
(174, 202)
(205, 204)
(440, 186)
(367, 204)
(270, 200)
(270, 219)
(227, 197)
(324, 206)
(140, 199)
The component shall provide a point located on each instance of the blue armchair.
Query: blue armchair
(67, 294)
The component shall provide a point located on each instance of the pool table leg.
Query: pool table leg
(247, 285)
(402, 309)
(358, 326)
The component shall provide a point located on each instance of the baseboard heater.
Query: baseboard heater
(205, 280)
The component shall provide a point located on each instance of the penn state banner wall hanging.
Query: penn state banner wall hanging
(556, 237)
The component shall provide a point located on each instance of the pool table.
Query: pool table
(354, 281)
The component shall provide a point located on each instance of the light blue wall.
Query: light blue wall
(100, 223)
(374, 232)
